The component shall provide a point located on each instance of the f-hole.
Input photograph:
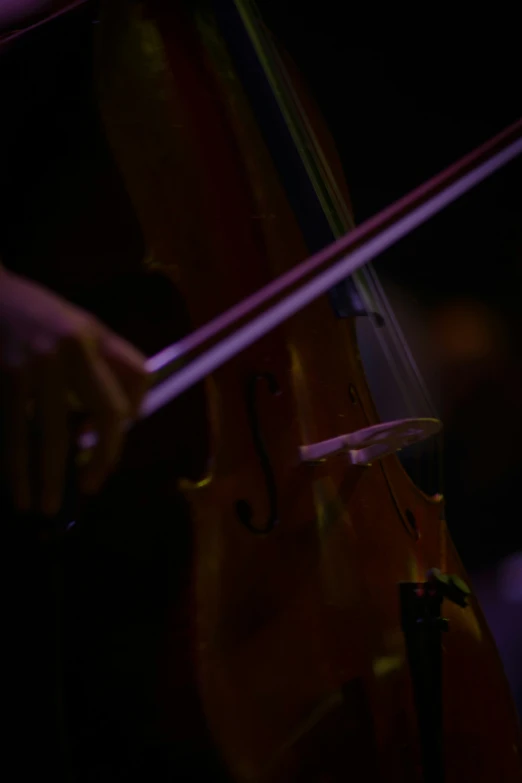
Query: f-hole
(244, 509)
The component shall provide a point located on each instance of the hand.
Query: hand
(54, 356)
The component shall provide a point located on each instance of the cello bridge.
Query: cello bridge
(366, 445)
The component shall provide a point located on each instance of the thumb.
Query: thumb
(129, 366)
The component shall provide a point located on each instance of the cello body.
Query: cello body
(306, 669)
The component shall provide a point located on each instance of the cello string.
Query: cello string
(392, 341)
(276, 314)
(507, 139)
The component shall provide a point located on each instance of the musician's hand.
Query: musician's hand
(53, 353)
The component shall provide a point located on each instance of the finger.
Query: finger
(128, 364)
(101, 395)
(15, 405)
(52, 415)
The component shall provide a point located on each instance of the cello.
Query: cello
(305, 626)
(307, 568)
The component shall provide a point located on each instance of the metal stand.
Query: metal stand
(423, 625)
